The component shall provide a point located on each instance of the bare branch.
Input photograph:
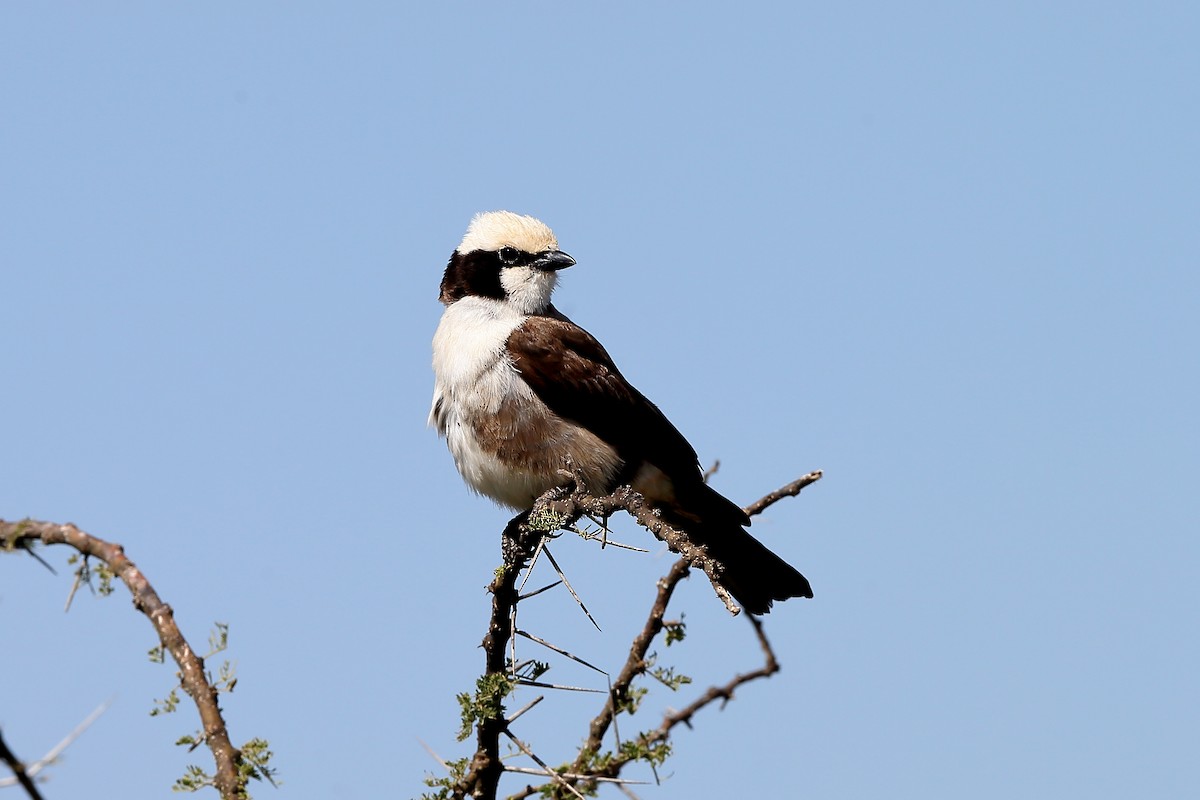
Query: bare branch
(724, 692)
(791, 490)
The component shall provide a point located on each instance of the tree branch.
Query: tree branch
(147, 601)
(635, 665)
(791, 490)
(558, 509)
(517, 546)
(576, 504)
(724, 692)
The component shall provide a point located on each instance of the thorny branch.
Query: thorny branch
(519, 542)
(147, 601)
(521, 539)
(576, 504)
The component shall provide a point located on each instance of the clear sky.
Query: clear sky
(946, 252)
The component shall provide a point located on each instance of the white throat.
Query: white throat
(528, 289)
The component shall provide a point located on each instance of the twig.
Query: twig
(791, 490)
(723, 692)
(18, 771)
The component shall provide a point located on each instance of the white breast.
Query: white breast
(470, 363)
(506, 443)
(474, 379)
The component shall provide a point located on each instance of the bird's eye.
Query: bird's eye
(509, 255)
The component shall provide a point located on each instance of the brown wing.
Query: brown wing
(572, 374)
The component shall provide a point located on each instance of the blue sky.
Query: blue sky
(946, 252)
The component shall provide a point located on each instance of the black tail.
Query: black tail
(754, 575)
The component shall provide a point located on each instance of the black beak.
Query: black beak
(552, 261)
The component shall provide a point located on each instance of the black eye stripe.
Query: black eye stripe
(512, 257)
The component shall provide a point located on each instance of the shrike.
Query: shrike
(522, 394)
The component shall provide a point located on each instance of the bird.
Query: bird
(526, 399)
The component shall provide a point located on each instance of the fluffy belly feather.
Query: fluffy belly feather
(522, 450)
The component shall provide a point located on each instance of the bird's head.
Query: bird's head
(507, 257)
